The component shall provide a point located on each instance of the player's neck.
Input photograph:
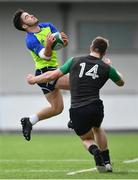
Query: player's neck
(97, 55)
(34, 29)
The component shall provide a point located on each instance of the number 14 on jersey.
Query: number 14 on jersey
(92, 72)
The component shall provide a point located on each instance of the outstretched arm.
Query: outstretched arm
(116, 77)
(120, 82)
(50, 75)
(45, 77)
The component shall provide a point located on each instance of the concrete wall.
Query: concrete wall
(16, 97)
(121, 112)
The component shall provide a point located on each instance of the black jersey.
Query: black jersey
(87, 76)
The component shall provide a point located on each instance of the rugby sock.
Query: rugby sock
(93, 149)
(106, 157)
(33, 119)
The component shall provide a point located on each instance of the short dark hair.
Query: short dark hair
(17, 22)
(100, 45)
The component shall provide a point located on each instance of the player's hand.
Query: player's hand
(49, 40)
(65, 38)
(30, 79)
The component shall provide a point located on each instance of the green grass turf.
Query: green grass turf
(53, 156)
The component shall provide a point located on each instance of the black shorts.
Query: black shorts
(86, 117)
(49, 86)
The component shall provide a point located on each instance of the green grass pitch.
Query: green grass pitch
(53, 156)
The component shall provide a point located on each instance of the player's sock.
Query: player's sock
(33, 119)
(106, 156)
(93, 149)
(106, 159)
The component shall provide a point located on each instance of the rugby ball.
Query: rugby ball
(58, 43)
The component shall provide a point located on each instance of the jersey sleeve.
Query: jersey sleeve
(114, 75)
(33, 44)
(52, 27)
(65, 68)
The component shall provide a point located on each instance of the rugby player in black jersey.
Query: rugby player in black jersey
(87, 75)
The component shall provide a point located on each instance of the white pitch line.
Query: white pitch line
(94, 169)
(128, 171)
(131, 161)
(81, 171)
(133, 171)
(32, 170)
(43, 160)
(56, 171)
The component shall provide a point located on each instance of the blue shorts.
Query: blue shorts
(49, 86)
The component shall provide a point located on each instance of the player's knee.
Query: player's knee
(58, 110)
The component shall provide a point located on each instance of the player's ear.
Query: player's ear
(24, 26)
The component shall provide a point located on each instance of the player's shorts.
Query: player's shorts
(49, 86)
(86, 117)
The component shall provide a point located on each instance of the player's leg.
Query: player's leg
(90, 145)
(53, 95)
(81, 118)
(56, 106)
(63, 83)
(101, 140)
(55, 99)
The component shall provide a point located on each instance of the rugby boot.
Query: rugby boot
(26, 128)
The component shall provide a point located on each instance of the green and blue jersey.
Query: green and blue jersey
(35, 42)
